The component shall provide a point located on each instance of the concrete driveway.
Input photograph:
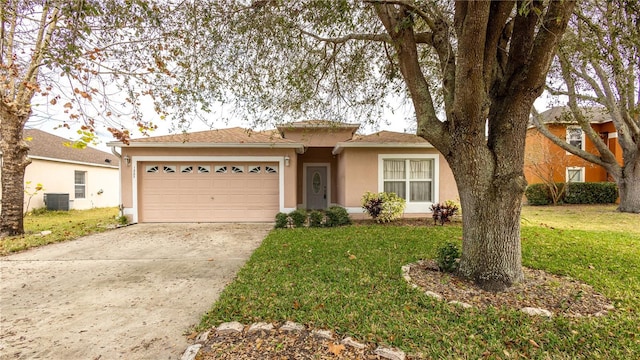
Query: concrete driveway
(131, 293)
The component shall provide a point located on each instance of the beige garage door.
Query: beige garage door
(208, 192)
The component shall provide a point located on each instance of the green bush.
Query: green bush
(538, 194)
(383, 207)
(333, 216)
(299, 217)
(317, 219)
(282, 220)
(591, 193)
(337, 216)
(447, 257)
(575, 193)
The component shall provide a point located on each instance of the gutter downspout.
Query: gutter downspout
(119, 156)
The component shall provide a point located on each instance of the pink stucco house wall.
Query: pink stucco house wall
(239, 175)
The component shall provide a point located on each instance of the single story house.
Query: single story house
(240, 175)
(545, 161)
(88, 177)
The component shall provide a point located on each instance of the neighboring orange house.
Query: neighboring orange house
(239, 175)
(545, 160)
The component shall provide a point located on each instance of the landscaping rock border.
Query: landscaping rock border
(236, 328)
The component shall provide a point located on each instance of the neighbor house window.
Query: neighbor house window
(80, 184)
(575, 137)
(575, 174)
(410, 179)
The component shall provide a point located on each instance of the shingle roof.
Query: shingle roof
(318, 124)
(384, 137)
(43, 144)
(563, 115)
(234, 135)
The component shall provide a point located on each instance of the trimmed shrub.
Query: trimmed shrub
(298, 217)
(447, 257)
(575, 193)
(383, 207)
(538, 194)
(282, 220)
(337, 216)
(317, 219)
(591, 193)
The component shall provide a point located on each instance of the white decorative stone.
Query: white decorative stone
(600, 313)
(322, 334)
(406, 268)
(229, 328)
(291, 326)
(261, 326)
(202, 337)
(354, 344)
(390, 354)
(609, 307)
(536, 311)
(433, 295)
(45, 232)
(191, 352)
(460, 303)
(407, 278)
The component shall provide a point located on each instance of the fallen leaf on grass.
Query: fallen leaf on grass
(336, 349)
(532, 342)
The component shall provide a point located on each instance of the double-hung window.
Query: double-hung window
(80, 184)
(575, 174)
(575, 137)
(410, 179)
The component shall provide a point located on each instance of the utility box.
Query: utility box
(57, 201)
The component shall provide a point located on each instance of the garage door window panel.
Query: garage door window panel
(186, 169)
(271, 169)
(204, 169)
(169, 169)
(254, 169)
(220, 169)
(152, 169)
(237, 169)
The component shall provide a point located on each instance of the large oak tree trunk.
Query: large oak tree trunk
(629, 187)
(491, 184)
(14, 162)
(491, 253)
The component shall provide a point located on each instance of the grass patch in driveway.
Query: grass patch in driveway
(64, 225)
(349, 280)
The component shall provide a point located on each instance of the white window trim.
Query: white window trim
(582, 142)
(570, 168)
(415, 207)
(304, 182)
(76, 184)
(192, 159)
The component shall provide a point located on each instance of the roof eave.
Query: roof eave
(299, 147)
(342, 145)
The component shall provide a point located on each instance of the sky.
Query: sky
(49, 120)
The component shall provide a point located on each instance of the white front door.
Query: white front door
(316, 187)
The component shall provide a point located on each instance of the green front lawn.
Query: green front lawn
(349, 280)
(64, 225)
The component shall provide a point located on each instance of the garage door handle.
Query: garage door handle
(212, 198)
